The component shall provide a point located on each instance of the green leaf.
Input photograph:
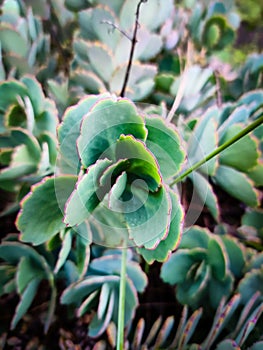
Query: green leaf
(141, 81)
(206, 193)
(77, 291)
(250, 284)
(41, 214)
(98, 54)
(12, 41)
(69, 129)
(222, 316)
(11, 89)
(7, 273)
(25, 301)
(253, 217)
(235, 254)
(105, 294)
(256, 174)
(117, 190)
(22, 164)
(88, 303)
(141, 161)
(203, 142)
(195, 237)
(257, 346)
(111, 265)
(237, 185)
(26, 272)
(12, 252)
(228, 344)
(190, 328)
(64, 251)
(35, 93)
(164, 142)
(242, 155)
(148, 216)
(104, 125)
(229, 118)
(219, 289)
(175, 269)
(217, 258)
(217, 33)
(171, 242)
(87, 195)
(82, 254)
(193, 291)
(108, 227)
(94, 25)
(19, 136)
(249, 325)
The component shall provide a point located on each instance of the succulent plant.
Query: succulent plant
(249, 76)
(99, 290)
(240, 166)
(198, 92)
(27, 134)
(213, 25)
(21, 270)
(104, 35)
(231, 326)
(251, 283)
(251, 226)
(24, 46)
(120, 172)
(204, 267)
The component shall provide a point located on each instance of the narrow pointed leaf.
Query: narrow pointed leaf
(25, 302)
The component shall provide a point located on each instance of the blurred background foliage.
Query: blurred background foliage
(204, 60)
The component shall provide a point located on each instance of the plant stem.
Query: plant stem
(133, 43)
(219, 149)
(121, 311)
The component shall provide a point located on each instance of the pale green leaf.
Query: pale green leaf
(12, 41)
(195, 237)
(206, 193)
(69, 130)
(217, 258)
(87, 195)
(41, 214)
(243, 154)
(169, 243)
(237, 185)
(164, 142)
(64, 251)
(141, 162)
(219, 289)
(235, 254)
(103, 126)
(77, 291)
(25, 301)
(175, 269)
(26, 272)
(148, 216)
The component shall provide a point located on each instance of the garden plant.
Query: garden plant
(131, 137)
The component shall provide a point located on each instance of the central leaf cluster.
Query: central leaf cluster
(124, 160)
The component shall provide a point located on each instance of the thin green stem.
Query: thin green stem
(121, 311)
(219, 149)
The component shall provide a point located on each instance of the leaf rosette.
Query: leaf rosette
(121, 190)
(204, 268)
(122, 160)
